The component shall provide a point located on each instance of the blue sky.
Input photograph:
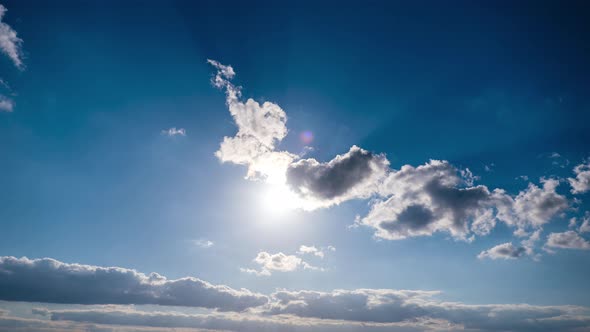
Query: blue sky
(342, 148)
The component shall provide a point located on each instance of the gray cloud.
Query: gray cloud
(581, 183)
(383, 305)
(48, 280)
(437, 197)
(242, 322)
(354, 174)
(503, 251)
(567, 240)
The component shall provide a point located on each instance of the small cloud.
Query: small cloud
(278, 262)
(6, 104)
(174, 132)
(503, 251)
(203, 243)
(312, 250)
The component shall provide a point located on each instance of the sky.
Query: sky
(295, 166)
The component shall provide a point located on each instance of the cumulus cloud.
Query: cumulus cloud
(411, 201)
(567, 240)
(49, 280)
(354, 174)
(260, 129)
(503, 251)
(581, 183)
(277, 262)
(10, 43)
(430, 198)
(174, 132)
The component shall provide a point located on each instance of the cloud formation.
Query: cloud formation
(581, 183)
(567, 240)
(260, 129)
(10, 43)
(277, 262)
(49, 280)
(408, 202)
(503, 251)
(387, 306)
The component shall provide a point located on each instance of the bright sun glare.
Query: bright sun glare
(278, 199)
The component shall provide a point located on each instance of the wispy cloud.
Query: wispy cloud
(174, 132)
(203, 243)
(10, 43)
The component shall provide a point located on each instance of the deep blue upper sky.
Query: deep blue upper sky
(88, 177)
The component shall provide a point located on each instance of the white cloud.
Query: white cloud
(567, 240)
(10, 43)
(203, 243)
(6, 104)
(313, 250)
(534, 207)
(503, 251)
(581, 183)
(49, 280)
(260, 129)
(278, 262)
(174, 132)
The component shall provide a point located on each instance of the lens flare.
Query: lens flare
(306, 137)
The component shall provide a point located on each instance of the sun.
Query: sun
(278, 199)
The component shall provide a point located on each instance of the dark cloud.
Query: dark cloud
(336, 178)
(48, 280)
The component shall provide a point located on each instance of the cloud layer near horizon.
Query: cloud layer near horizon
(48, 280)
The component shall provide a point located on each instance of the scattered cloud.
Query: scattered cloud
(408, 202)
(503, 251)
(567, 240)
(581, 183)
(174, 132)
(49, 280)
